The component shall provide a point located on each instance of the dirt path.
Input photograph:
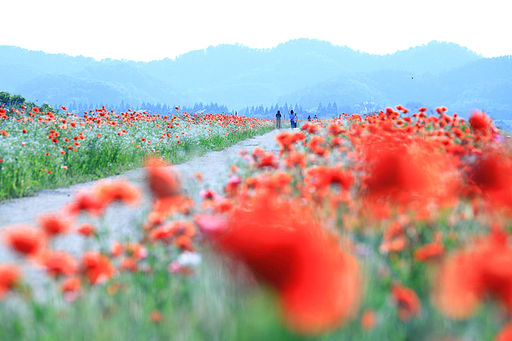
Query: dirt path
(122, 221)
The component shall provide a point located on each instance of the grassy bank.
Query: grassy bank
(47, 150)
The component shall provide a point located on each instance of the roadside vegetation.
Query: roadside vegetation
(394, 226)
(44, 148)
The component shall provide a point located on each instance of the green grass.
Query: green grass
(25, 168)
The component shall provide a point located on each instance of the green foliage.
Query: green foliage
(26, 167)
(46, 107)
(5, 97)
(17, 100)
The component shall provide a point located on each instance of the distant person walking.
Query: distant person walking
(278, 120)
(309, 117)
(292, 119)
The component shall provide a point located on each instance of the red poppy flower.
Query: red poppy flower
(25, 239)
(163, 182)
(116, 249)
(71, 284)
(136, 250)
(171, 205)
(408, 171)
(317, 145)
(268, 160)
(84, 201)
(55, 224)
(466, 277)
(58, 263)
(368, 319)
(319, 177)
(86, 229)
(9, 278)
(335, 129)
(128, 264)
(156, 316)
(490, 172)
(429, 252)
(505, 334)
(407, 302)
(479, 120)
(108, 191)
(295, 159)
(285, 247)
(97, 267)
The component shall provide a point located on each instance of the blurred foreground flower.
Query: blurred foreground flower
(467, 276)
(162, 181)
(285, 247)
(9, 278)
(480, 121)
(108, 191)
(97, 267)
(405, 171)
(25, 239)
(505, 334)
(407, 302)
(489, 175)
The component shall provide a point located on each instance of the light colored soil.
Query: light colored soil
(122, 221)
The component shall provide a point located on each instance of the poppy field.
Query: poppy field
(44, 149)
(390, 226)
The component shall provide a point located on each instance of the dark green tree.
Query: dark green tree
(17, 100)
(5, 97)
(47, 108)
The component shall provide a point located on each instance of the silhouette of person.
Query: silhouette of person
(309, 117)
(293, 121)
(278, 120)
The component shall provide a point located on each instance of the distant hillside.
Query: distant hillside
(300, 71)
(484, 84)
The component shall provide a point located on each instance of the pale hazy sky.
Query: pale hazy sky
(151, 30)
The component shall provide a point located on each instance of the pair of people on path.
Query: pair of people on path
(294, 119)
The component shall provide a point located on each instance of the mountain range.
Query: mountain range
(303, 71)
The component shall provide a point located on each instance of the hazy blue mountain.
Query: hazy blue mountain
(433, 57)
(240, 75)
(65, 89)
(18, 65)
(483, 84)
(300, 71)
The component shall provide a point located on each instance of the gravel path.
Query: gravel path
(122, 221)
